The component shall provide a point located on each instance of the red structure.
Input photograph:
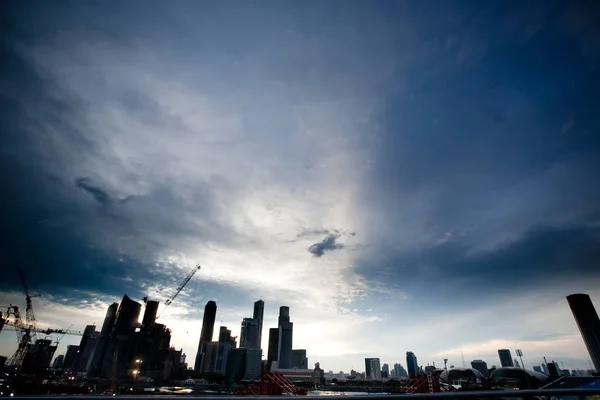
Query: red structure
(270, 384)
(428, 383)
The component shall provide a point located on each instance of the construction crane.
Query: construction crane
(25, 330)
(180, 287)
(13, 325)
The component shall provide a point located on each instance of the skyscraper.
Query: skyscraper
(226, 344)
(588, 322)
(480, 366)
(122, 336)
(399, 371)
(411, 364)
(372, 368)
(249, 334)
(103, 341)
(284, 353)
(385, 371)
(299, 359)
(208, 327)
(87, 348)
(259, 310)
(506, 359)
(150, 313)
(273, 347)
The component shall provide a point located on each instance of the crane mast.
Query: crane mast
(182, 284)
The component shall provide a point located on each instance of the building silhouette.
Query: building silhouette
(372, 368)
(249, 334)
(411, 364)
(121, 343)
(70, 357)
(506, 359)
(399, 371)
(385, 371)
(284, 353)
(87, 348)
(273, 348)
(480, 366)
(150, 313)
(258, 315)
(206, 334)
(588, 323)
(299, 359)
(225, 345)
(103, 340)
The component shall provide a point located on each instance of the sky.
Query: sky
(404, 175)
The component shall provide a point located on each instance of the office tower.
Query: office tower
(87, 348)
(104, 339)
(480, 366)
(545, 369)
(411, 364)
(253, 363)
(537, 368)
(249, 334)
(225, 345)
(209, 361)
(208, 327)
(259, 310)
(385, 371)
(553, 370)
(372, 368)
(70, 357)
(122, 337)
(284, 353)
(299, 359)
(506, 359)
(273, 349)
(588, 323)
(150, 313)
(399, 371)
(236, 365)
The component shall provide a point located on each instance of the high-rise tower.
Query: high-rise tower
(208, 327)
(506, 359)
(259, 310)
(588, 322)
(284, 353)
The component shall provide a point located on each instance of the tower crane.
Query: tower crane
(26, 330)
(180, 287)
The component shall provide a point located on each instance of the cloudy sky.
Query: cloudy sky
(405, 175)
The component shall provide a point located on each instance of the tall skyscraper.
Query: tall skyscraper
(226, 344)
(87, 348)
(372, 368)
(70, 357)
(150, 313)
(411, 364)
(259, 310)
(208, 328)
(588, 322)
(385, 371)
(480, 366)
(506, 359)
(284, 353)
(399, 371)
(273, 347)
(122, 336)
(103, 341)
(249, 334)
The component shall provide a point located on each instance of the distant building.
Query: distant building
(206, 335)
(259, 310)
(299, 359)
(225, 345)
(70, 357)
(506, 359)
(249, 334)
(87, 348)
(284, 353)
(103, 340)
(273, 348)
(480, 366)
(537, 368)
(517, 363)
(588, 323)
(399, 371)
(385, 371)
(372, 368)
(209, 361)
(253, 364)
(411, 364)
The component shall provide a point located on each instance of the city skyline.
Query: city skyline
(395, 173)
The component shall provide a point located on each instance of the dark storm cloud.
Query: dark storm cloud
(97, 193)
(455, 270)
(327, 244)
